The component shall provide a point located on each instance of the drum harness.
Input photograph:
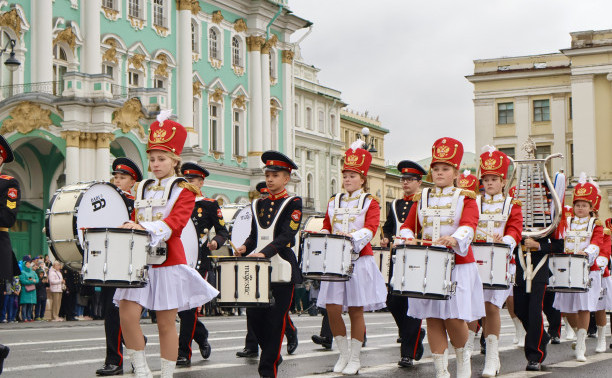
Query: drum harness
(435, 213)
(144, 211)
(495, 217)
(346, 212)
(265, 237)
(578, 235)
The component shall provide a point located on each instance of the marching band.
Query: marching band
(455, 253)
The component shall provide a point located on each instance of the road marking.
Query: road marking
(590, 359)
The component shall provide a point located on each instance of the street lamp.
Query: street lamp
(368, 146)
(11, 63)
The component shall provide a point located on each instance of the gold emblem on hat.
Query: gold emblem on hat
(464, 182)
(581, 191)
(352, 160)
(442, 151)
(490, 163)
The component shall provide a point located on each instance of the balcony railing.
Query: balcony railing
(54, 88)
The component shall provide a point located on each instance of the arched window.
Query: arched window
(321, 121)
(159, 13)
(332, 125)
(134, 9)
(334, 187)
(195, 40)
(60, 67)
(213, 42)
(272, 64)
(236, 52)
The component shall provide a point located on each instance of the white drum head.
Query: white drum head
(189, 237)
(241, 228)
(314, 224)
(101, 205)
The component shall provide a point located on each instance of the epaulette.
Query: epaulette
(188, 186)
(599, 223)
(607, 231)
(331, 198)
(517, 202)
(468, 193)
(417, 197)
(6, 177)
(136, 186)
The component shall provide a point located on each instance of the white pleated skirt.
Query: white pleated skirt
(573, 302)
(366, 288)
(467, 303)
(170, 287)
(605, 298)
(498, 297)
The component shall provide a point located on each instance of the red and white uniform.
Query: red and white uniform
(583, 234)
(172, 284)
(499, 215)
(366, 288)
(605, 298)
(448, 212)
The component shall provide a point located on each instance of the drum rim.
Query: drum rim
(322, 234)
(94, 230)
(246, 258)
(432, 247)
(569, 255)
(489, 244)
(380, 248)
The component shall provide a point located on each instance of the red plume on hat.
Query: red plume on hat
(166, 135)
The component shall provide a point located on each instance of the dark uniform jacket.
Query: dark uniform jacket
(206, 215)
(548, 245)
(284, 234)
(402, 208)
(10, 195)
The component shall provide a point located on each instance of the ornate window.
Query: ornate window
(197, 114)
(135, 9)
(110, 4)
(309, 186)
(273, 71)
(159, 13)
(213, 44)
(309, 118)
(332, 124)
(334, 187)
(296, 114)
(215, 125)
(321, 121)
(60, 67)
(238, 133)
(237, 52)
(195, 37)
(134, 79)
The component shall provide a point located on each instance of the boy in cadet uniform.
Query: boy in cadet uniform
(125, 174)
(206, 215)
(285, 213)
(9, 206)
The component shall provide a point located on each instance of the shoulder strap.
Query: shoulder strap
(337, 200)
(423, 203)
(170, 186)
(362, 199)
(141, 188)
(479, 203)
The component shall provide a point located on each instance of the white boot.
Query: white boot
(167, 368)
(139, 361)
(570, 334)
(469, 345)
(464, 363)
(492, 364)
(343, 347)
(519, 332)
(581, 345)
(354, 364)
(441, 364)
(601, 339)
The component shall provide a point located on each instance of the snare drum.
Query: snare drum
(382, 258)
(493, 261)
(327, 257)
(570, 273)
(423, 272)
(76, 207)
(243, 282)
(115, 257)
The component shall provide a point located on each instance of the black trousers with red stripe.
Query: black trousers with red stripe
(409, 328)
(528, 308)
(552, 315)
(191, 329)
(250, 341)
(269, 325)
(112, 328)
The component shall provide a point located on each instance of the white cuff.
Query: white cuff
(464, 236)
(602, 262)
(361, 238)
(406, 233)
(592, 251)
(510, 241)
(158, 230)
(324, 231)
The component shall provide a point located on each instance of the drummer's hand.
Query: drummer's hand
(447, 241)
(258, 254)
(132, 226)
(410, 242)
(344, 234)
(532, 244)
(212, 245)
(581, 253)
(384, 242)
(497, 238)
(240, 250)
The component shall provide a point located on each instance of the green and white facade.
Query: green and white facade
(94, 73)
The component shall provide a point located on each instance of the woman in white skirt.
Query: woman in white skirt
(501, 221)
(604, 302)
(356, 215)
(173, 286)
(583, 236)
(457, 218)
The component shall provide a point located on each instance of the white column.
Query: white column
(522, 122)
(287, 77)
(185, 67)
(484, 118)
(103, 156)
(255, 117)
(318, 175)
(72, 156)
(585, 138)
(42, 40)
(87, 153)
(558, 118)
(90, 16)
(265, 99)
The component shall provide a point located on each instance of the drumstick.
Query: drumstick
(486, 233)
(233, 246)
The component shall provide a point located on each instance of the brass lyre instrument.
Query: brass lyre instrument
(541, 213)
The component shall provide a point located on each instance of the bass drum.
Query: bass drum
(76, 207)
(191, 244)
(241, 226)
(229, 214)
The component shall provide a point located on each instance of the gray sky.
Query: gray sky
(405, 60)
